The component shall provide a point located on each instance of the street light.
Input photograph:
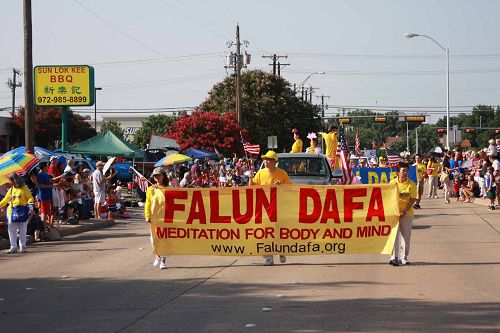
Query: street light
(307, 78)
(447, 53)
(95, 107)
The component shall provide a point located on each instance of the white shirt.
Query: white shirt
(98, 181)
(496, 165)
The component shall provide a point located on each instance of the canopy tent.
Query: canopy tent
(107, 144)
(200, 154)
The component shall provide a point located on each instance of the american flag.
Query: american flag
(140, 180)
(357, 147)
(393, 158)
(250, 148)
(345, 166)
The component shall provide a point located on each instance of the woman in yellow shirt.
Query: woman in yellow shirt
(160, 182)
(18, 195)
(297, 145)
(433, 169)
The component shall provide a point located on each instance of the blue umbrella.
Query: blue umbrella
(39, 152)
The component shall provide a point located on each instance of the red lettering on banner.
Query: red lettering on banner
(197, 210)
(247, 216)
(269, 204)
(171, 206)
(331, 209)
(349, 204)
(304, 195)
(376, 205)
(215, 216)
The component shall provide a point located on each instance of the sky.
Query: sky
(153, 55)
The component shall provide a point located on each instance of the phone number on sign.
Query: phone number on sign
(62, 99)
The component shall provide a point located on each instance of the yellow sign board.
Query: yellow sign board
(64, 85)
(344, 121)
(266, 220)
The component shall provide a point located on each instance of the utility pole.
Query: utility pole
(323, 104)
(29, 112)
(311, 90)
(237, 61)
(13, 84)
(238, 77)
(276, 64)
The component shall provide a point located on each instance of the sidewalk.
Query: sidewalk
(68, 229)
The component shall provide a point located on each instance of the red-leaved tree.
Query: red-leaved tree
(48, 126)
(208, 130)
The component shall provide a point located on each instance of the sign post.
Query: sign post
(272, 142)
(65, 86)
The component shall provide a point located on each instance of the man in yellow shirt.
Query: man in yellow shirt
(270, 175)
(421, 172)
(331, 141)
(407, 192)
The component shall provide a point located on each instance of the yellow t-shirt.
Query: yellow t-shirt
(435, 166)
(266, 177)
(332, 142)
(149, 206)
(20, 196)
(421, 170)
(297, 146)
(406, 191)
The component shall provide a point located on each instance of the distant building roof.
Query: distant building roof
(392, 139)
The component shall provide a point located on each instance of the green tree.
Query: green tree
(269, 107)
(428, 138)
(154, 125)
(112, 126)
(484, 115)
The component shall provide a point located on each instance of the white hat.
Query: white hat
(53, 158)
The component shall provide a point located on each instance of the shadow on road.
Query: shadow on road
(201, 305)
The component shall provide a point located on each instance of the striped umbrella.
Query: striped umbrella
(18, 163)
(173, 159)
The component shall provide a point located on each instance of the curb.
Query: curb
(68, 230)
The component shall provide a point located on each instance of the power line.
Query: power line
(132, 38)
(397, 73)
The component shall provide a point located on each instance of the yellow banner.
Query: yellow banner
(283, 219)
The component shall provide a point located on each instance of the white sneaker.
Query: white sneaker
(282, 259)
(156, 262)
(269, 261)
(163, 264)
(23, 250)
(10, 251)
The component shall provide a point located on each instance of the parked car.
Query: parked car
(307, 169)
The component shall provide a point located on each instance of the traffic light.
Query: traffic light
(380, 119)
(415, 119)
(344, 121)
(441, 130)
(469, 130)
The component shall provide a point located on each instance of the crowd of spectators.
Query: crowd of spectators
(64, 194)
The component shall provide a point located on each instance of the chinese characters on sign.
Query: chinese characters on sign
(64, 85)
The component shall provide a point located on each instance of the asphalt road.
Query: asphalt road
(104, 281)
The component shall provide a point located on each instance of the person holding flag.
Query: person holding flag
(331, 141)
(160, 183)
